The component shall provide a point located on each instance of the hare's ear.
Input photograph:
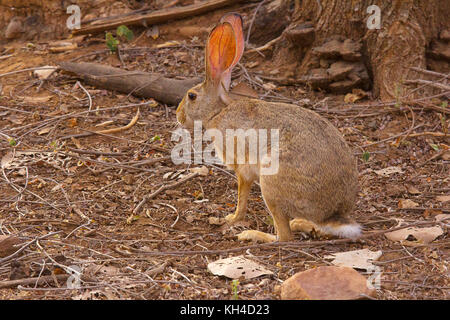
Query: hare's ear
(220, 53)
(235, 19)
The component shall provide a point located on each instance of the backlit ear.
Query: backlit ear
(220, 52)
(235, 20)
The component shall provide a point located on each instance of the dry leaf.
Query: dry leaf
(431, 212)
(442, 216)
(72, 122)
(203, 171)
(37, 100)
(216, 221)
(153, 32)
(445, 198)
(407, 204)
(44, 131)
(386, 172)
(44, 72)
(424, 235)
(359, 259)
(237, 267)
(413, 190)
(351, 98)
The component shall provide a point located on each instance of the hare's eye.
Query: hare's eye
(192, 96)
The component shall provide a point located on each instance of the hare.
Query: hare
(317, 178)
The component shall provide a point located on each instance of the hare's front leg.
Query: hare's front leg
(244, 186)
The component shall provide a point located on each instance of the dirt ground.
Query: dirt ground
(74, 196)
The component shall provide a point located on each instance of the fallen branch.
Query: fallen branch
(429, 83)
(37, 280)
(141, 84)
(158, 17)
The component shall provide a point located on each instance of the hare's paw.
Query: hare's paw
(303, 226)
(232, 218)
(255, 235)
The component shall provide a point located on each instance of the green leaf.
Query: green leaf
(123, 31)
(156, 138)
(12, 142)
(366, 156)
(111, 42)
(434, 146)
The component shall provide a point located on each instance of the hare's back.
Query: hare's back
(302, 131)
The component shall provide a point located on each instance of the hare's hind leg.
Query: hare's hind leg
(281, 222)
(244, 186)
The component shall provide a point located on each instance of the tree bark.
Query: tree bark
(409, 36)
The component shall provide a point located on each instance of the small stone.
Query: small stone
(14, 28)
(326, 283)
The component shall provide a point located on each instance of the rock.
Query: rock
(343, 86)
(445, 35)
(440, 50)
(317, 77)
(326, 283)
(14, 28)
(348, 50)
(339, 70)
(329, 50)
(302, 35)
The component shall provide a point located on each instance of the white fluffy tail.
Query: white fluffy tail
(351, 231)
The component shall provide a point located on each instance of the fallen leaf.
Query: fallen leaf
(351, 98)
(413, 190)
(72, 123)
(36, 100)
(216, 221)
(423, 235)
(431, 212)
(44, 72)
(445, 198)
(386, 172)
(203, 171)
(407, 204)
(237, 267)
(153, 32)
(359, 259)
(44, 131)
(8, 245)
(442, 216)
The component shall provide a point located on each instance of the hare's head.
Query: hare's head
(223, 51)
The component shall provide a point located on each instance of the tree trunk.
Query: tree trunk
(337, 51)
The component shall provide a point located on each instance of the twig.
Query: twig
(433, 73)
(36, 280)
(253, 20)
(429, 83)
(106, 131)
(294, 244)
(161, 189)
(87, 93)
(25, 70)
(267, 46)
(5, 259)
